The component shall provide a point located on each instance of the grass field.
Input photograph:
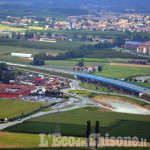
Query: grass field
(12, 108)
(122, 72)
(74, 123)
(69, 63)
(106, 60)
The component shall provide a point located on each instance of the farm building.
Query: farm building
(21, 55)
(15, 91)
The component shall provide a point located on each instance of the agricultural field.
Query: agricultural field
(59, 45)
(69, 63)
(5, 53)
(12, 108)
(35, 28)
(74, 123)
(122, 72)
(8, 28)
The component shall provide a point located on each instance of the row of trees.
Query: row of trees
(31, 34)
(88, 133)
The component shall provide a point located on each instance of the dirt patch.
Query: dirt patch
(130, 65)
(103, 101)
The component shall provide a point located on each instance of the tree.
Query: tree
(49, 34)
(3, 66)
(1, 75)
(28, 34)
(42, 33)
(88, 132)
(97, 134)
(19, 36)
(145, 81)
(100, 68)
(38, 59)
(81, 63)
(5, 78)
(119, 41)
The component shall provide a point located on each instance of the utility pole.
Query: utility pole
(57, 130)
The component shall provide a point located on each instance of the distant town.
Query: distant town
(104, 21)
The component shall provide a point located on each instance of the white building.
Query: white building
(21, 55)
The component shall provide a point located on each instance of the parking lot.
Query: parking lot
(42, 98)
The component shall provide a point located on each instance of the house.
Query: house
(91, 69)
(76, 68)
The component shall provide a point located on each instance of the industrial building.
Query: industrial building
(132, 45)
(15, 91)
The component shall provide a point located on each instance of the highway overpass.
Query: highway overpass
(140, 90)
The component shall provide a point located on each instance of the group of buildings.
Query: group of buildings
(87, 69)
(105, 21)
(28, 83)
(109, 21)
(141, 47)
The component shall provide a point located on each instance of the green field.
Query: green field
(122, 72)
(19, 139)
(106, 60)
(74, 123)
(32, 141)
(12, 108)
(59, 45)
(69, 63)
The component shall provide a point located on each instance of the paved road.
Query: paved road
(143, 78)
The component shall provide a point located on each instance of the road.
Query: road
(143, 78)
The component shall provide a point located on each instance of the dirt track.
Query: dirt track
(130, 65)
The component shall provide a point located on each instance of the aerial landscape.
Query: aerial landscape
(74, 74)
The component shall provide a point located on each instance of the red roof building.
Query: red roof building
(15, 91)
